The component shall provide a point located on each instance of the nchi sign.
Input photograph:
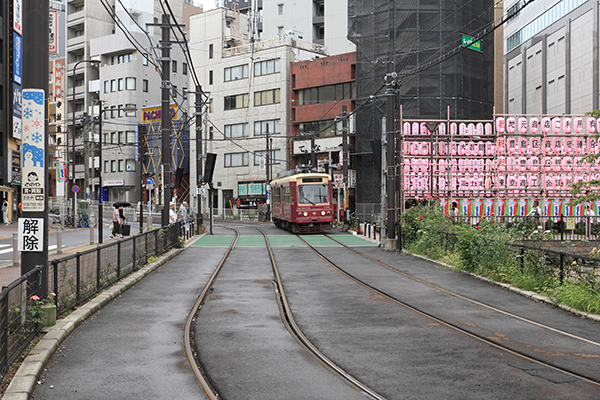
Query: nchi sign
(154, 114)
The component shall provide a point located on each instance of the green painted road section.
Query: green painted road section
(251, 241)
(282, 241)
(214, 241)
(352, 240)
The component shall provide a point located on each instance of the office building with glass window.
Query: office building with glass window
(247, 84)
(551, 57)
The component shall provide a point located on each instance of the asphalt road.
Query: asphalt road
(133, 347)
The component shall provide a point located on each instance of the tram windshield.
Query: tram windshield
(313, 194)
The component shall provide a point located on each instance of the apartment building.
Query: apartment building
(248, 109)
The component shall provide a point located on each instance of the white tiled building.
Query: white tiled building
(248, 86)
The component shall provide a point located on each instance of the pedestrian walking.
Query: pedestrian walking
(454, 212)
(590, 217)
(116, 220)
(172, 214)
(5, 212)
(183, 212)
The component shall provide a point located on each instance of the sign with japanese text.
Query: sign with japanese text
(468, 41)
(17, 58)
(17, 107)
(18, 16)
(33, 151)
(58, 82)
(53, 32)
(31, 234)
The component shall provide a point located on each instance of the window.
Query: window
(129, 83)
(121, 165)
(236, 101)
(113, 85)
(130, 165)
(125, 58)
(131, 113)
(106, 166)
(122, 140)
(267, 97)
(184, 68)
(79, 82)
(235, 73)
(323, 94)
(120, 112)
(262, 127)
(174, 91)
(113, 166)
(280, 9)
(174, 64)
(130, 136)
(145, 60)
(106, 86)
(211, 133)
(113, 111)
(313, 194)
(210, 105)
(274, 157)
(210, 51)
(120, 84)
(145, 85)
(113, 137)
(210, 77)
(266, 67)
(236, 160)
(280, 30)
(236, 130)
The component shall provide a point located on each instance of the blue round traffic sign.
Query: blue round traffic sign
(75, 189)
(149, 181)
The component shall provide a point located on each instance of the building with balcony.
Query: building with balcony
(125, 77)
(248, 108)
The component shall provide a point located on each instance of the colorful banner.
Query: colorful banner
(33, 151)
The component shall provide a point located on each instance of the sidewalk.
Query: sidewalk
(9, 273)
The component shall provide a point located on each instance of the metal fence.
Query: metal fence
(74, 279)
(560, 265)
(546, 228)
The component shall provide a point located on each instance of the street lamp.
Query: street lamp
(100, 166)
(71, 176)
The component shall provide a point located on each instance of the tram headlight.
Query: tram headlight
(323, 213)
(305, 214)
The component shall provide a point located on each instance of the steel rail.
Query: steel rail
(468, 299)
(445, 323)
(191, 321)
(303, 339)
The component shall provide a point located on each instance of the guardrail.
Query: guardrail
(73, 280)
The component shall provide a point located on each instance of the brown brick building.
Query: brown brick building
(319, 88)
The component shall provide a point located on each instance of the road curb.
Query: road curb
(25, 380)
(525, 293)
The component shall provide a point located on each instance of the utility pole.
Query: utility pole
(35, 76)
(267, 170)
(391, 84)
(199, 156)
(165, 125)
(345, 158)
(313, 155)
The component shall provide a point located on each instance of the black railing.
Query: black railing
(74, 279)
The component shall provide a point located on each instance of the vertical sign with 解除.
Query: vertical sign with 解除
(33, 151)
(31, 236)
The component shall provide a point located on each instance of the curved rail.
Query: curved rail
(303, 339)
(191, 321)
(441, 321)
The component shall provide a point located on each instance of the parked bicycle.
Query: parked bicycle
(83, 220)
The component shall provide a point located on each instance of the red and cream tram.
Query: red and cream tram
(302, 202)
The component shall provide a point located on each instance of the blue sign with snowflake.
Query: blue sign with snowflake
(33, 151)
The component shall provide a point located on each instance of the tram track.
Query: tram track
(287, 319)
(454, 326)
